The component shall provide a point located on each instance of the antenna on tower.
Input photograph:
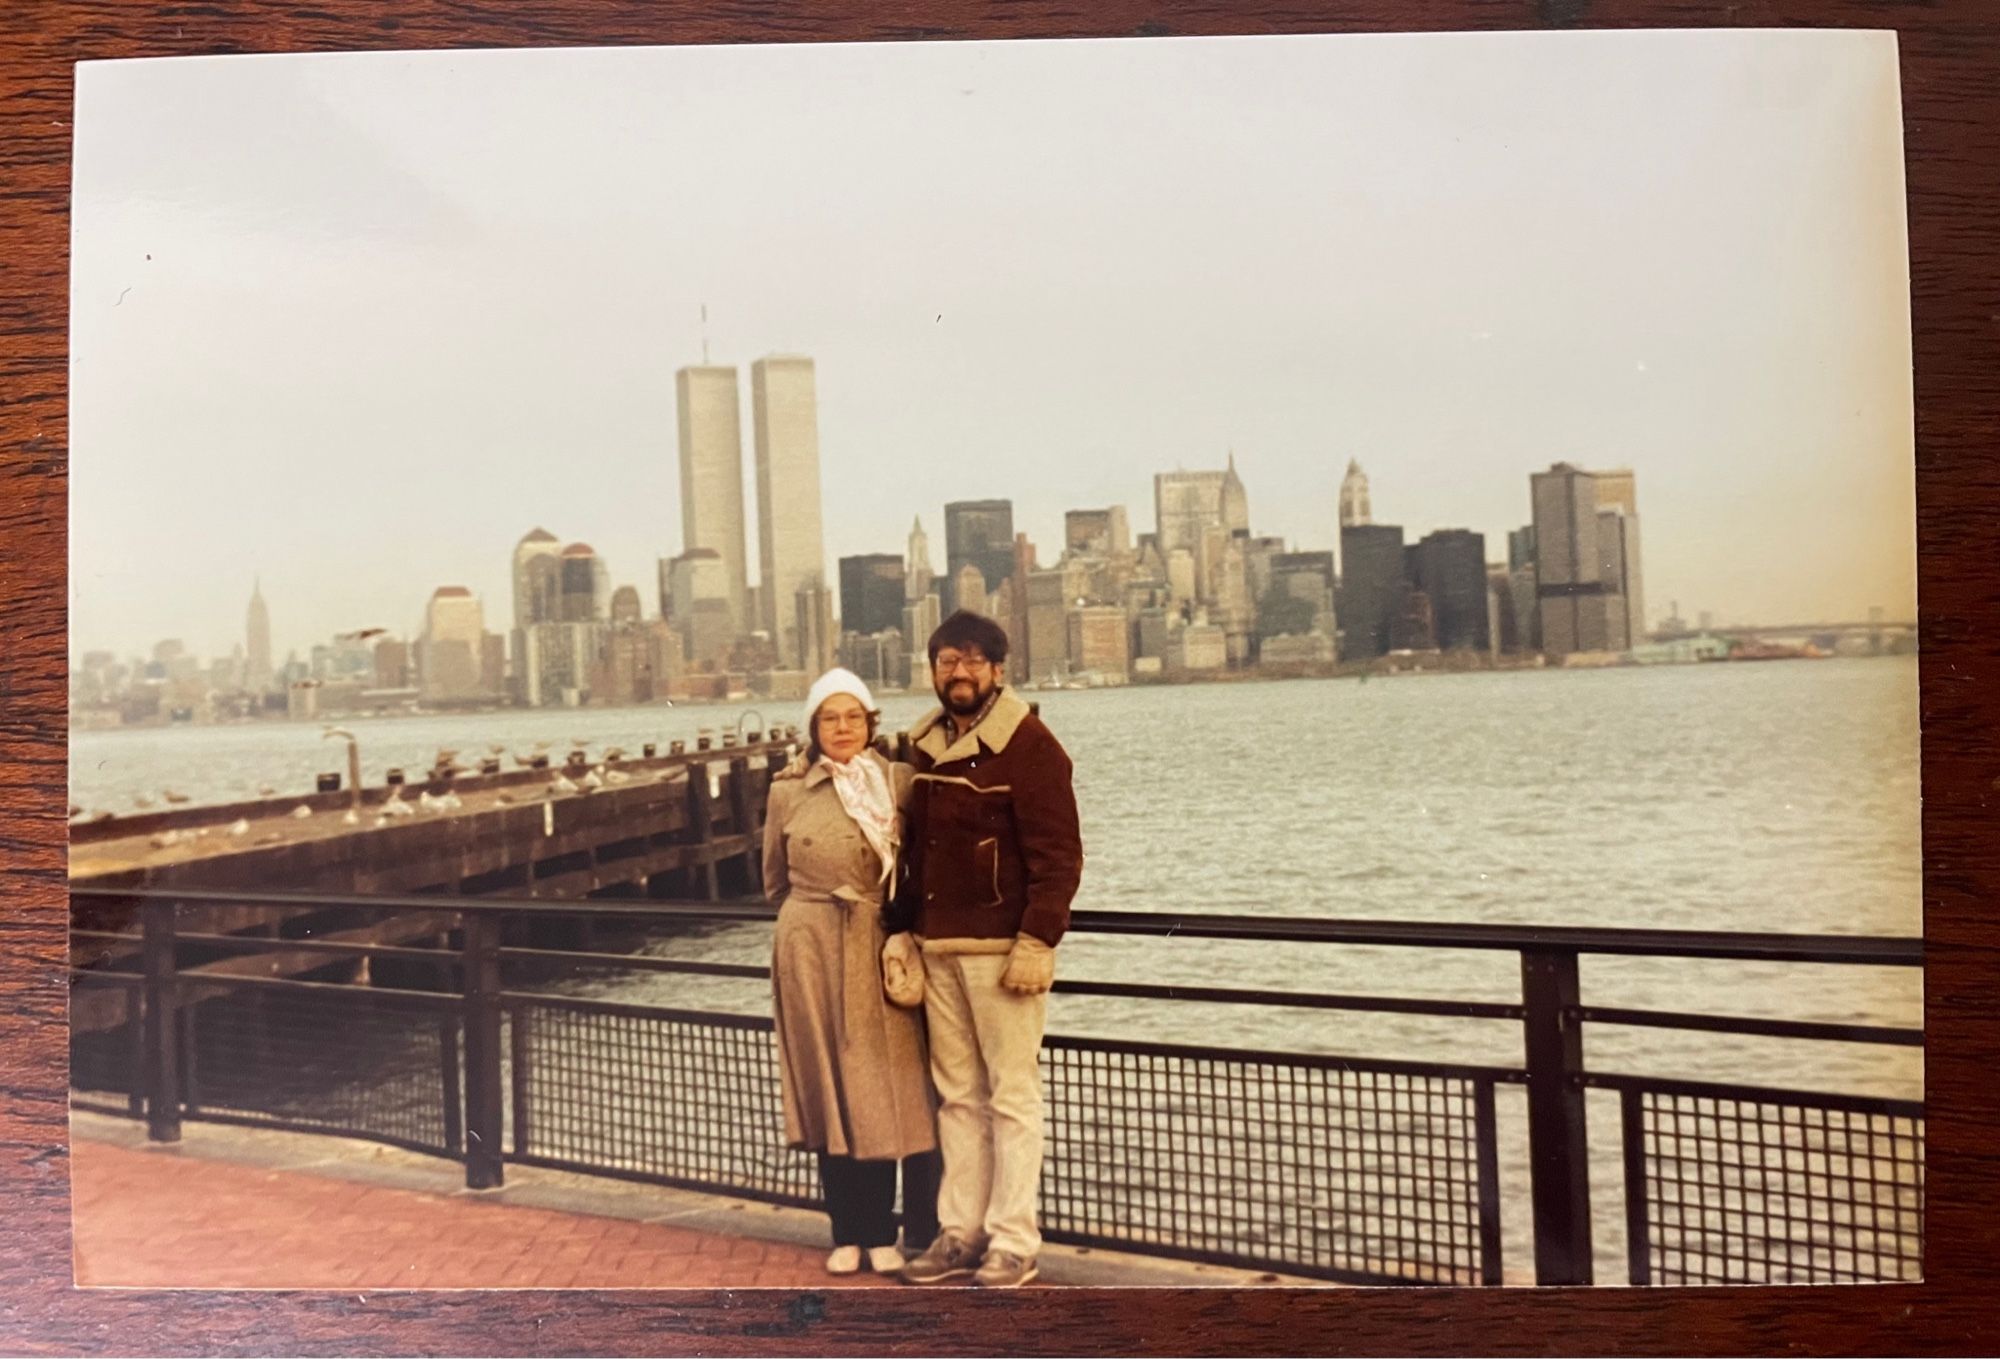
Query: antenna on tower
(704, 334)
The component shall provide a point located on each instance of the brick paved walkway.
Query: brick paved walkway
(144, 1219)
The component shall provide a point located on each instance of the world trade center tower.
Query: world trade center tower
(711, 433)
(791, 550)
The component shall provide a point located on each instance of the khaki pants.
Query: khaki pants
(985, 1060)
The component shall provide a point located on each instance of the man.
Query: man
(993, 855)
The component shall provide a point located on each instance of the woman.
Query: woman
(854, 1070)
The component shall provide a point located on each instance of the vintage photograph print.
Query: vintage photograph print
(1252, 661)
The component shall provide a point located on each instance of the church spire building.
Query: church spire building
(1354, 497)
(917, 568)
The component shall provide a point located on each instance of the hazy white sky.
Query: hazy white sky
(354, 323)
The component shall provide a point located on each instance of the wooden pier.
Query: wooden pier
(686, 825)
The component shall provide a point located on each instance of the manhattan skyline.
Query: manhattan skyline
(1085, 263)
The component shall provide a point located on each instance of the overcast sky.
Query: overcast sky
(354, 323)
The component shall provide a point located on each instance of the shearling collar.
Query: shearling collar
(933, 734)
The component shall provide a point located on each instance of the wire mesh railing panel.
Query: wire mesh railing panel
(357, 1060)
(664, 1095)
(1306, 1166)
(1748, 1190)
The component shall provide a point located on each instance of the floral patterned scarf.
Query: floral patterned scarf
(863, 786)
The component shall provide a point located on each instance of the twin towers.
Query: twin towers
(791, 601)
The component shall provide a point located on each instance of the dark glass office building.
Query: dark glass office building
(871, 593)
(1371, 587)
(1449, 566)
(980, 532)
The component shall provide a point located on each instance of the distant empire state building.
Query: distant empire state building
(257, 663)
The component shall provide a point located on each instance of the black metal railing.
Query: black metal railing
(1333, 1167)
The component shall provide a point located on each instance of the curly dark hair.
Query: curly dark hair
(966, 629)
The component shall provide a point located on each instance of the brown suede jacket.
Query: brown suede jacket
(992, 848)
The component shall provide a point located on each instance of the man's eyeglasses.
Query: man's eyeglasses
(950, 661)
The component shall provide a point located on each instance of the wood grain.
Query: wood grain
(1951, 73)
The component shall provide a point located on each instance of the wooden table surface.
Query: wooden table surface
(1951, 88)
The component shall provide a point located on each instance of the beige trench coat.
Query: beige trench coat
(855, 1073)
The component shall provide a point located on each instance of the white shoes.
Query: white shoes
(881, 1259)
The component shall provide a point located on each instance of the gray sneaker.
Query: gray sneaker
(1004, 1269)
(948, 1257)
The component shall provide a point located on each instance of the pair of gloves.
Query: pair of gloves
(1030, 970)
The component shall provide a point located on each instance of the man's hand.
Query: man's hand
(1031, 966)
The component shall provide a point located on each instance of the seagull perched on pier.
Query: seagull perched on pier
(593, 780)
(393, 806)
(522, 761)
(614, 777)
(560, 784)
(240, 826)
(301, 812)
(173, 797)
(427, 803)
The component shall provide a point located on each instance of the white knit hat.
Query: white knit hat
(835, 681)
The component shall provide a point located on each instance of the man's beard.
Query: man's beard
(962, 698)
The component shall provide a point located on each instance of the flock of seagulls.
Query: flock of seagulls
(596, 776)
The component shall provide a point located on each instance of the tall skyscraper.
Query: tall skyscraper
(1235, 500)
(871, 593)
(584, 586)
(1451, 570)
(453, 643)
(257, 662)
(1617, 564)
(711, 437)
(699, 589)
(1354, 509)
(537, 582)
(979, 533)
(1618, 490)
(1372, 586)
(917, 580)
(535, 577)
(1184, 504)
(1569, 584)
(785, 413)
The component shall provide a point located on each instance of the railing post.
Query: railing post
(1638, 1221)
(743, 810)
(1558, 1153)
(162, 1042)
(701, 813)
(482, 1052)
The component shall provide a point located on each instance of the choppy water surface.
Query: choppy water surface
(1780, 797)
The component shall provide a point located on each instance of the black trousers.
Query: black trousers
(861, 1200)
